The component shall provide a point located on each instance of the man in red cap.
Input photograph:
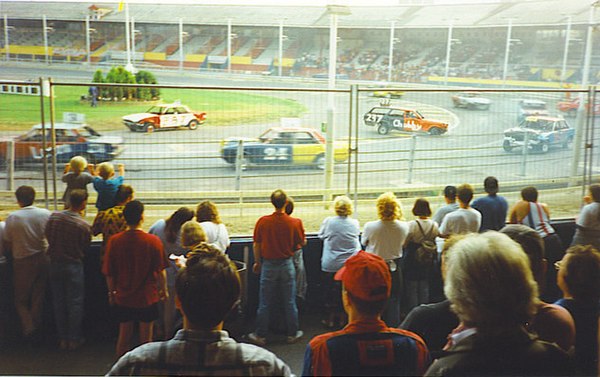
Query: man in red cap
(366, 346)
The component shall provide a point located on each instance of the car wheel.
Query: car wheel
(435, 131)
(320, 162)
(383, 129)
(544, 147)
(193, 124)
(506, 146)
(148, 127)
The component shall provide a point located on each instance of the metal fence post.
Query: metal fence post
(10, 165)
(411, 158)
(524, 154)
(239, 161)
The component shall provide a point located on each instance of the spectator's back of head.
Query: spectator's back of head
(529, 194)
(106, 170)
(343, 206)
(465, 193)
(25, 195)
(450, 192)
(133, 212)
(123, 194)
(421, 208)
(278, 198)
(207, 211)
(289, 205)
(367, 281)
(208, 287)
(388, 207)
(192, 234)
(579, 272)
(78, 164)
(489, 282)
(532, 244)
(77, 198)
(490, 185)
(595, 192)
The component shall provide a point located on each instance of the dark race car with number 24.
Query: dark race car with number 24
(281, 146)
(386, 119)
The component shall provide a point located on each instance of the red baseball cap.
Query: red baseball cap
(366, 276)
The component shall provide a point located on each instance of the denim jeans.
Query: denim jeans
(67, 282)
(417, 293)
(277, 275)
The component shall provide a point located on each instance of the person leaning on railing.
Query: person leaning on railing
(587, 230)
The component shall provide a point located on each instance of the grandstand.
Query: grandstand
(479, 33)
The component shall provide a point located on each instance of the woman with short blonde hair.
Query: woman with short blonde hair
(343, 205)
(192, 234)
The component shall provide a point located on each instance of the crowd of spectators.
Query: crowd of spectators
(516, 302)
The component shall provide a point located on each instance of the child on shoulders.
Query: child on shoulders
(76, 177)
(106, 185)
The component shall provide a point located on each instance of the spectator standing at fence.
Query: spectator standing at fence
(537, 216)
(340, 235)
(216, 232)
(493, 207)
(24, 236)
(385, 237)
(76, 177)
(111, 221)
(69, 237)
(276, 237)
(169, 232)
(450, 206)
(465, 219)
(134, 266)
(587, 231)
(579, 280)
(551, 323)
(210, 280)
(106, 185)
(434, 322)
(301, 284)
(417, 265)
(481, 270)
(366, 346)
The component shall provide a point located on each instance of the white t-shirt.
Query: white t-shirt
(24, 230)
(385, 238)
(216, 235)
(461, 221)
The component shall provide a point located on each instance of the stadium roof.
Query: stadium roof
(484, 14)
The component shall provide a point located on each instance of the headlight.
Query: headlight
(95, 148)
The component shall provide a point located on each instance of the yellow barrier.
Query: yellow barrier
(30, 50)
(287, 62)
(491, 82)
(196, 58)
(241, 60)
(155, 56)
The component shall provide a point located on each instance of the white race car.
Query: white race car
(163, 117)
(471, 101)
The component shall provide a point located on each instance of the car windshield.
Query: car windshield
(539, 125)
(156, 110)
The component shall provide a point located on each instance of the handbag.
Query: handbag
(427, 250)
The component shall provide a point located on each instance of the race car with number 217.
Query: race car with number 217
(386, 119)
(283, 146)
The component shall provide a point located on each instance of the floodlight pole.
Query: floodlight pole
(229, 46)
(391, 57)
(448, 49)
(6, 44)
(45, 34)
(563, 72)
(280, 48)
(579, 121)
(132, 41)
(128, 66)
(507, 51)
(87, 39)
(181, 45)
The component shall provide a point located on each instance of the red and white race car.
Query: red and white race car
(166, 116)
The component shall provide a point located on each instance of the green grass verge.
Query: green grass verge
(20, 112)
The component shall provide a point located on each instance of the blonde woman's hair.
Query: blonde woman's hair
(192, 234)
(106, 170)
(343, 206)
(388, 207)
(489, 282)
(78, 164)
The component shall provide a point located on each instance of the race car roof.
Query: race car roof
(62, 126)
(535, 118)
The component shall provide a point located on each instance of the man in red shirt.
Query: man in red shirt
(276, 237)
(366, 346)
(134, 266)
